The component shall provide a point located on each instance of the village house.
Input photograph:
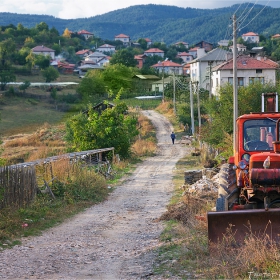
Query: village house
(154, 51)
(205, 45)
(158, 86)
(168, 67)
(186, 57)
(123, 38)
(86, 34)
(149, 42)
(275, 37)
(223, 43)
(140, 60)
(201, 67)
(240, 48)
(106, 48)
(249, 71)
(95, 57)
(186, 45)
(143, 83)
(251, 37)
(44, 51)
(83, 53)
(195, 52)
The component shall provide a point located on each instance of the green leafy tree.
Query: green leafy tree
(125, 57)
(50, 74)
(91, 85)
(117, 77)
(24, 86)
(42, 61)
(113, 128)
(7, 48)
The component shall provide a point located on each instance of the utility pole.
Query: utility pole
(198, 106)
(163, 82)
(191, 103)
(174, 91)
(235, 98)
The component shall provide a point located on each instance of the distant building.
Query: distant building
(123, 38)
(168, 67)
(154, 51)
(86, 34)
(44, 51)
(186, 57)
(106, 48)
(240, 48)
(205, 45)
(223, 43)
(251, 37)
(186, 45)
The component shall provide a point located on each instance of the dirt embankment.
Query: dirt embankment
(112, 240)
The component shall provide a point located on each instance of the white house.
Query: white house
(157, 86)
(182, 43)
(249, 70)
(86, 34)
(201, 67)
(251, 37)
(106, 48)
(124, 38)
(149, 42)
(154, 51)
(186, 57)
(95, 57)
(44, 51)
(240, 48)
(168, 67)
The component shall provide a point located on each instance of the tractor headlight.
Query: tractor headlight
(242, 164)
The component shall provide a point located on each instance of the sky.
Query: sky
(72, 9)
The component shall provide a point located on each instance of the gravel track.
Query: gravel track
(115, 239)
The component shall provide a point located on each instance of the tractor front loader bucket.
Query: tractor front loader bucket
(243, 223)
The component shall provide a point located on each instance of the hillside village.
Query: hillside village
(204, 64)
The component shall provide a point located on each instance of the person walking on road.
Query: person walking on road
(173, 136)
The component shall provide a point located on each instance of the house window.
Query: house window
(240, 82)
(253, 80)
(258, 70)
(230, 80)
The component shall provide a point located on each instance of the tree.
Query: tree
(50, 74)
(118, 77)
(113, 128)
(92, 84)
(66, 33)
(125, 57)
(42, 61)
(24, 86)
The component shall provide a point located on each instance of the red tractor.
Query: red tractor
(249, 184)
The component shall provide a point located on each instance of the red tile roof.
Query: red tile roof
(167, 64)
(184, 54)
(154, 50)
(247, 62)
(121, 36)
(250, 34)
(276, 36)
(84, 32)
(148, 40)
(82, 52)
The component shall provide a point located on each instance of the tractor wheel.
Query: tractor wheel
(227, 184)
(220, 204)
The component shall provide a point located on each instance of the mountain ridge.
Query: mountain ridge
(165, 23)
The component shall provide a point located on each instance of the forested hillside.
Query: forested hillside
(163, 23)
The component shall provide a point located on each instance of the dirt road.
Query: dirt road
(112, 240)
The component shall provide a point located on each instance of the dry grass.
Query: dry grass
(46, 141)
(145, 145)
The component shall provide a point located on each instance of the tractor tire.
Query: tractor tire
(227, 184)
(220, 204)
